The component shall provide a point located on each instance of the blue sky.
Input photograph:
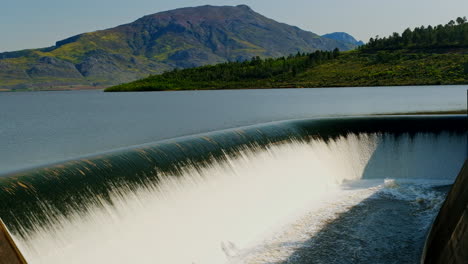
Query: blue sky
(34, 23)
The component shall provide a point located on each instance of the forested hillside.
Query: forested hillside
(256, 72)
(452, 35)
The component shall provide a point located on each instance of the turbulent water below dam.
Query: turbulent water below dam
(335, 190)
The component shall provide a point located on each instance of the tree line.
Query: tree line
(452, 35)
(255, 68)
(231, 74)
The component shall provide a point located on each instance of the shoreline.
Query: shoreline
(279, 88)
(104, 88)
(444, 112)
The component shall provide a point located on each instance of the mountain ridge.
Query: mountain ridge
(344, 37)
(179, 38)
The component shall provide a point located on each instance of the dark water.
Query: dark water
(43, 127)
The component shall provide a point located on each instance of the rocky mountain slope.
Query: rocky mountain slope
(180, 38)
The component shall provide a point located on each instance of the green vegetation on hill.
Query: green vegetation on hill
(452, 35)
(253, 73)
(418, 57)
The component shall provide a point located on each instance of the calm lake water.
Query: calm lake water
(42, 127)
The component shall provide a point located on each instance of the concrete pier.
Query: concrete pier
(9, 253)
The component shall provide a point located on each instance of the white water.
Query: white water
(299, 233)
(224, 212)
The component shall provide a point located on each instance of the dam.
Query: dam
(323, 190)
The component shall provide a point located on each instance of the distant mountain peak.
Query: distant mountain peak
(245, 7)
(343, 37)
(204, 12)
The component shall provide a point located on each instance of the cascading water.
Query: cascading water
(262, 199)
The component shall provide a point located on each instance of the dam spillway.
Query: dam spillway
(233, 195)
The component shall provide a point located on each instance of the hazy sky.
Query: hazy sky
(39, 23)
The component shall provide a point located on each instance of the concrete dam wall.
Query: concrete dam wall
(447, 242)
(9, 253)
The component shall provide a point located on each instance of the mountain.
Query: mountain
(344, 38)
(423, 56)
(180, 38)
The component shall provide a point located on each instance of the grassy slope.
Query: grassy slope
(355, 68)
(405, 68)
(110, 41)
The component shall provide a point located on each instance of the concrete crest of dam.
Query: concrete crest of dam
(325, 190)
